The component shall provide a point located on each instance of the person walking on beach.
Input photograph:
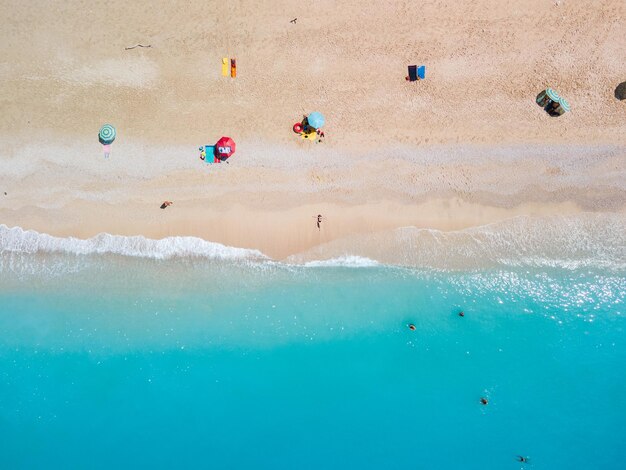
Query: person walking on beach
(319, 221)
(166, 204)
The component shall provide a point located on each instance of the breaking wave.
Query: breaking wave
(17, 240)
(564, 242)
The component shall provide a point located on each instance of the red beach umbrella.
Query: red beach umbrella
(224, 148)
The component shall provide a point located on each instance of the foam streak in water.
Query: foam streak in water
(344, 261)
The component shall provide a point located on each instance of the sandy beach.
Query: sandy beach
(467, 146)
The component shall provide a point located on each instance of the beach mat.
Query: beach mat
(209, 151)
(225, 66)
(421, 72)
(412, 73)
(233, 68)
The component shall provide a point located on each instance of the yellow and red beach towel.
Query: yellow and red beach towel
(233, 67)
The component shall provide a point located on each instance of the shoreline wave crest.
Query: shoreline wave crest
(18, 240)
(564, 242)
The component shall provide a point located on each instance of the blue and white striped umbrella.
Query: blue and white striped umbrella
(316, 120)
(107, 134)
(564, 104)
(552, 94)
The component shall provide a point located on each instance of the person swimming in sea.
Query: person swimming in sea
(461, 314)
(522, 459)
(411, 326)
(483, 400)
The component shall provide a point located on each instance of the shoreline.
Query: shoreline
(580, 240)
(289, 233)
(267, 197)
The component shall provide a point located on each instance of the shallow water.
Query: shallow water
(108, 361)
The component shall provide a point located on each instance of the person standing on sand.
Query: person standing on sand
(319, 221)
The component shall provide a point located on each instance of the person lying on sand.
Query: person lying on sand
(166, 204)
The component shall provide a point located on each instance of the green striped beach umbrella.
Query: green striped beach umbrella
(106, 135)
(553, 95)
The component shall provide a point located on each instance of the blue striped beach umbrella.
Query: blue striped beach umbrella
(552, 94)
(316, 120)
(106, 135)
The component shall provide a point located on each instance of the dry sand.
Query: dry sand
(467, 146)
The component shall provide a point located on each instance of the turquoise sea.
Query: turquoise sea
(118, 358)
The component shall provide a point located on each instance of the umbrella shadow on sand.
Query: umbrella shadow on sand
(620, 91)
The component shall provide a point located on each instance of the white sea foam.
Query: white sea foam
(572, 242)
(344, 261)
(17, 240)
